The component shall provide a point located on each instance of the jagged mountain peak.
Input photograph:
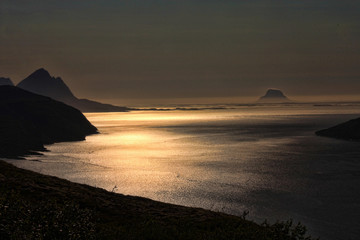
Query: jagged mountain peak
(40, 73)
(41, 82)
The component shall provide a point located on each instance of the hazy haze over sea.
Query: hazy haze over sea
(262, 159)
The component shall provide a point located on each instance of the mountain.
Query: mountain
(6, 81)
(28, 121)
(274, 96)
(41, 82)
(349, 130)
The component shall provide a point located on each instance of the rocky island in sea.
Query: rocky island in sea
(273, 96)
(349, 130)
(41, 82)
(28, 121)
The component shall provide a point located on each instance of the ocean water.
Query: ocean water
(257, 158)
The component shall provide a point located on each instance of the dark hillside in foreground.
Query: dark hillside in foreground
(349, 130)
(41, 82)
(35, 206)
(28, 121)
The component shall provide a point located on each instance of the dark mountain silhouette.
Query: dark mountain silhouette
(42, 83)
(274, 95)
(6, 81)
(349, 130)
(28, 121)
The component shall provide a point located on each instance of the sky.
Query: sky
(140, 50)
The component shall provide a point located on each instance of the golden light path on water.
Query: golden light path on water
(148, 156)
(263, 159)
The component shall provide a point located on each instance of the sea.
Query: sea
(263, 159)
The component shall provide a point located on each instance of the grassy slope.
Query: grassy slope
(38, 206)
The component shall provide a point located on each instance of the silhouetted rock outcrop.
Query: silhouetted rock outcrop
(349, 130)
(6, 81)
(42, 83)
(28, 121)
(274, 95)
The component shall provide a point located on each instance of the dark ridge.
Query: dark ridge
(28, 121)
(6, 82)
(92, 106)
(349, 130)
(41, 82)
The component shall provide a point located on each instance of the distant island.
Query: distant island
(41, 82)
(28, 121)
(349, 130)
(273, 96)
